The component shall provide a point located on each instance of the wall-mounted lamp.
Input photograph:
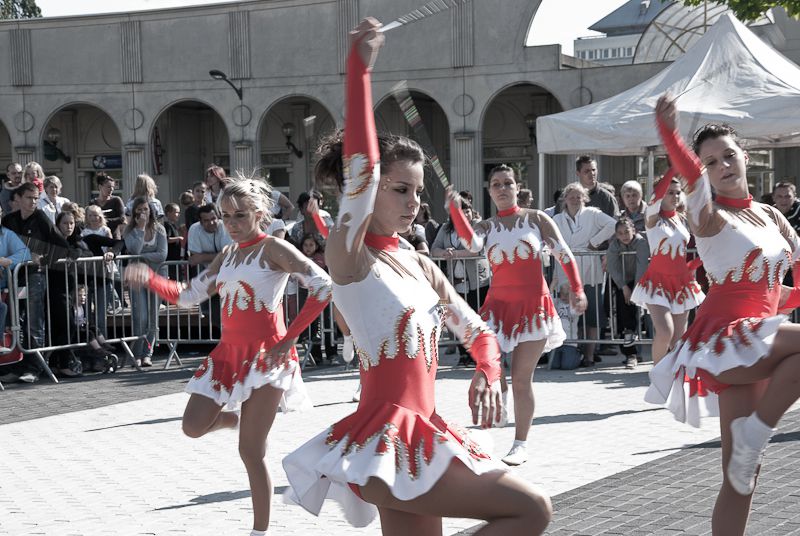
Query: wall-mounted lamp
(530, 122)
(50, 146)
(288, 131)
(219, 75)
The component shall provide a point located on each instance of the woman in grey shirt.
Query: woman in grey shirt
(146, 238)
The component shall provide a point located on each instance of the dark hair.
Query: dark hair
(625, 221)
(171, 206)
(329, 169)
(305, 197)
(581, 160)
(786, 183)
(102, 178)
(713, 131)
(502, 168)
(206, 209)
(557, 196)
(425, 210)
(20, 190)
(312, 236)
(198, 183)
(62, 215)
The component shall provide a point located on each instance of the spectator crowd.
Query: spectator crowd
(40, 228)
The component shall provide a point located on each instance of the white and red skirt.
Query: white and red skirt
(405, 449)
(668, 283)
(237, 366)
(732, 329)
(520, 314)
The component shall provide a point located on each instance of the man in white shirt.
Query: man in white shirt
(207, 237)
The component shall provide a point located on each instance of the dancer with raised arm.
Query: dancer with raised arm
(667, 290)
(255, 363)
(739, 358)
(395, 453)
(518, 306)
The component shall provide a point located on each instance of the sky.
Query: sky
(557, 21)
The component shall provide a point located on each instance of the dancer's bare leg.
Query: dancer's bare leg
(523, 365)
(202, 415)
(509, 504)
(258, 414)
(732, 510)
(679, 323)
(664, 331)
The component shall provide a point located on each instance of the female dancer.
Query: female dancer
(518, 306)
(255, 362)
(395, 453)
(739, 357)
(667, 290)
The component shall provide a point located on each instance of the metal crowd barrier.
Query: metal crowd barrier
(56, 292)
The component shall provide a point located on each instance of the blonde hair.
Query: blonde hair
(253, 190)
(631, 186)
(145, 187)
(576, 187)
(94, 209)
(36, 168)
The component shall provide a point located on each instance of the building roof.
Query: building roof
(631, 18)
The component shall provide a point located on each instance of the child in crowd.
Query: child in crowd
(566, 356)
(193, 203)
(313, 249)
(172, 214)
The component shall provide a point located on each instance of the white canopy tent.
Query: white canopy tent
(730, 75)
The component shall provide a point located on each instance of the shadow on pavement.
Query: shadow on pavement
(222, 496)
(140, 423)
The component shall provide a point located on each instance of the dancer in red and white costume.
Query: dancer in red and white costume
(667, 290)
(255, 363)
(739, 358)
(518, 306)
(395, 453)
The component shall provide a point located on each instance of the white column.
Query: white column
(465, 167)
(25, 154)
(242, 158)
(134, 162)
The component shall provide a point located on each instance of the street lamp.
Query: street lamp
(219, 75)
(530, 122)
(288, 131)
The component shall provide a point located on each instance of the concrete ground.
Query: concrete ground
(104, 455)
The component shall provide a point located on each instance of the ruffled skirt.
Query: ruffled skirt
(403, 448)
(231, 372)
(520, 314)
(685, 379)
(678, 293)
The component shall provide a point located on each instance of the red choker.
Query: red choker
(734, 203)
(667, 213)
(254, 241)
(508, 212)
(381, 242)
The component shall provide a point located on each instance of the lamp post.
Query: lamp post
(219, 75)
(288, 131)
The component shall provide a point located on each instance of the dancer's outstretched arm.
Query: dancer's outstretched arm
(477, 338)
(199, 289)
(345, 253)
(703, 217)
(659, 191)
(473, 238)
(560, 250)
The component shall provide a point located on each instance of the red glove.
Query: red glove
(486, 352)
(168, 289)
(686, 163)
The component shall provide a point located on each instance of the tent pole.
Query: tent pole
(541, 181)
(651, 172)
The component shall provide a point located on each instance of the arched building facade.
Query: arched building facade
(131, 92)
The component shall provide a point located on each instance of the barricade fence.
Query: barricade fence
(62, 307)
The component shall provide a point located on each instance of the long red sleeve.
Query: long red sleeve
(168, 289)
(683, 159)
(662, 186)
(486, 352)
(310, 311)
(463, 228)
(573, 275)
(320, 223)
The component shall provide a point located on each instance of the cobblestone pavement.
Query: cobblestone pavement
(104, 455)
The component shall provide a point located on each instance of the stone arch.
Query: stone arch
(78, 140)
(507, 137)
(186, 136)
(389, 118)
(290, 168)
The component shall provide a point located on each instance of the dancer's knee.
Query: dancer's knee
(252, 452)
(193, 428)
(538, 511)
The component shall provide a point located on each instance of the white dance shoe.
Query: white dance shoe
(516, 456)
